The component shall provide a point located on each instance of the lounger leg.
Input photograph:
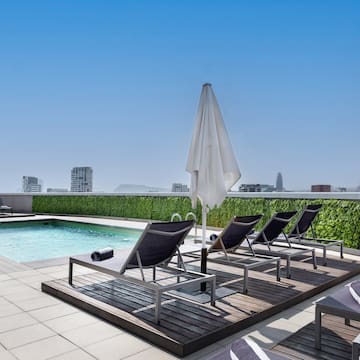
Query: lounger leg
(324, 257)
(157, 306)
(203, 267)
(213, 292)
(278, 270)
(246, 276)
(288, 271)
(317, 328)
(347, 322)
(314, 259)
(342, 250)
(179, 266)
(70, 272)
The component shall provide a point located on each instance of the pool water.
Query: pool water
(35, 240)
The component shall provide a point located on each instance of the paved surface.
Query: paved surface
(36, 326)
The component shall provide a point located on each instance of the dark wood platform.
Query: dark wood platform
(336, 341)
(187, 327)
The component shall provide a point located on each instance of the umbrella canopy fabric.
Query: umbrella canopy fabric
(211, 161)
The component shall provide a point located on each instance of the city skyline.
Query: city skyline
(81, 180)
(116, 86)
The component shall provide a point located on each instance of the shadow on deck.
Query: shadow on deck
(336, 341)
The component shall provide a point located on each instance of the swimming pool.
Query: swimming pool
(37, 240)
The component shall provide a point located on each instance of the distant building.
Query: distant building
(320, 188)
(56, 190)
(177, 187)
(256, 188)
(31, 184)
(341, 189)
(279, 182)
(82, 179)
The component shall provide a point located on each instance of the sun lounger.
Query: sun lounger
(229, 241)
(5, 208)
(246, 349)
(341, 303)
(157, 245)
(263, 242)
(297, 234)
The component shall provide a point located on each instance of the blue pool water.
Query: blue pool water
(34, 240)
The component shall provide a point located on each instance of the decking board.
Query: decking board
(336, 341)
(186, 327)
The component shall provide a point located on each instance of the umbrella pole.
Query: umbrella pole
(203, 248)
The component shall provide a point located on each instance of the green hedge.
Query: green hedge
(339, 219)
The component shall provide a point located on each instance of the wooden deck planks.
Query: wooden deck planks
(186, 327)
(336, 341)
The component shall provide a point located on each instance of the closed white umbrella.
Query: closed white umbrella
(211, 161)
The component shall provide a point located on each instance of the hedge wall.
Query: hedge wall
(339, 219)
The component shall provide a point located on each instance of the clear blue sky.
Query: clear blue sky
(115, 85)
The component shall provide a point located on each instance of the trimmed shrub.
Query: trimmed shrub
(338, 219)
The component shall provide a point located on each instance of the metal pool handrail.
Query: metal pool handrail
(195, 218)
(173, 216)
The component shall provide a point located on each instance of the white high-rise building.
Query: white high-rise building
(31, 184)
(81, 179)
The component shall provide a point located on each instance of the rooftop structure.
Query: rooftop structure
(56, 190)
(75, 334)
(35, 325)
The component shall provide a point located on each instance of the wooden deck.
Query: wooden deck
(187, 327)
(336, 341)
